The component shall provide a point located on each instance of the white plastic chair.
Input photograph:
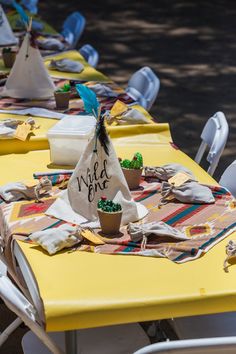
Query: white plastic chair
(223, 345)
(90, 54)
(106, 340)
(143, 87)
(228, 178)
(205, 326)
(26, 313)
(73, 28)
(214, 136)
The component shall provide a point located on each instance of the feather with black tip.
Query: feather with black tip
(101, 134)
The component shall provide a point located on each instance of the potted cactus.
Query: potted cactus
(9, 57)
(62, 96)
(132, 170)
(109, 214)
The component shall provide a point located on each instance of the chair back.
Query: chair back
(214, 136)
(143, 87)
(73, 28)
(30, 5)
(90, 54)
(219, 345)
(228, 178)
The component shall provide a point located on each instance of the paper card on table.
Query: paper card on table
(179, 179)
(22, 131)
(92, 237)
(118, 108)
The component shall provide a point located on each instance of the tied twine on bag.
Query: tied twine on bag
(166, 193)
(44, 186)
(231, 253)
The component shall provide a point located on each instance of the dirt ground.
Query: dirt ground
(189, 44)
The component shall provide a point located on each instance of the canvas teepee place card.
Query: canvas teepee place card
(97, 173)
(29, 77)
(7, 37)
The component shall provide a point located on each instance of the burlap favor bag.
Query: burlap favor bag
(166, 171)
(189, 192)
(97, 173)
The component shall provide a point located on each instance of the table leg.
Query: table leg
(71, 342)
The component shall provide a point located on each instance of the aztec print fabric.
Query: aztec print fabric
(204, 224)
(76, 104)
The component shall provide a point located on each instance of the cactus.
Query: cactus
(108, 206)
(7, 50)
(65, 88)
(135, 163)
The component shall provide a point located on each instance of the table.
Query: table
(38, 140)
(84, 294)
(13, 18)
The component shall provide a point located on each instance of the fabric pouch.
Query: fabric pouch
(138, 231)
(133, 116)
(167, 171)
(55, 239)
(189, 192)
(66, 65)
(15, 191)
(103, 90)
(50, 44)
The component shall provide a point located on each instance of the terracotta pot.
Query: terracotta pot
(9, 59)
(62, 99)
(110, 222)
(133, 177)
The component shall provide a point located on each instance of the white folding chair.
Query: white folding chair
(90, 54)
(143, 87)
(73, 28)
(214, 136)
(223, 345)
(228, 178)
(205, 326)
(26, 313)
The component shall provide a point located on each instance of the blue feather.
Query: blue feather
(89, 98)
(21, 12)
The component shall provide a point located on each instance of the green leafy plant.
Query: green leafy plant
(135, 163)
(65, 88)
(108, 206)
(7, 50)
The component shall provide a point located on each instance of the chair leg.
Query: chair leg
(71, 342)
(9, 330)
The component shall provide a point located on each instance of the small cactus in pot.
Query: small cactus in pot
(9, 57)
(62, 96)
(109, 214)
(132, 170)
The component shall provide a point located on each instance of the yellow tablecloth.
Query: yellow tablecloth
(82, 290)
(88, 74)
(38, 139)
(14, 18)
